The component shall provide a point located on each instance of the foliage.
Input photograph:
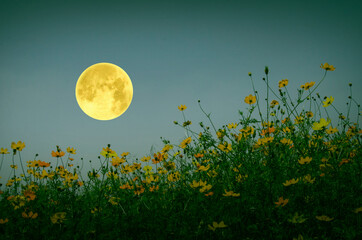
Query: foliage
(266, 178)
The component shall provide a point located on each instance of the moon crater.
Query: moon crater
(104, 91)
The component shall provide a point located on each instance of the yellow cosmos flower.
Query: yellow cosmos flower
(309, 114)
(232, 125)
(185, 142)
(14, 166)
(331, 130)
(181, 107)
(4, 151)
(322, 124)
(217, 225)
(324, 218)
(308, 179)
(203, 168)
(230, 194)
(328, 67)
(145, 159)
(71, 150)
(303, 160)
(225, 147)
(58, 217)
(297, 218)
(286, 141)
(307, 86)
(18, 146)
(250, 99)
(107, 152)
(274, 103)
(290, 182)
(328, 101)
(283, 83)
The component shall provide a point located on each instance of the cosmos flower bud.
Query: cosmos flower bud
(266, 70)
(249, 73)
(350, 84)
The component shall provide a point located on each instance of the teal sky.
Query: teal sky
(175, 52)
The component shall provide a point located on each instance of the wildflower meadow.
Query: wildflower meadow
(287, 173)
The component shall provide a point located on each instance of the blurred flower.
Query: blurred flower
(328, 67)
(303, 160)
(29, 215)
(148, 170)
(14, 166)
(4, 151)
(230, 194)
(217, 225)
(186, 123)
(274, 103)
(328, 101)
(331, 130)
(3, 221)
(250, 99)
(203, 168)
(58, 217)
(29, 194)
(306, 86)
(181, 107)
(18, 146)
(145, 159)
(232, 125)
(324, 218)
(268, 131)
(297, 218)
(58, 154)
(308, 179)
(283, 83)
(290, 182)
(309, 114)
(107, 152)
(116, 161)
(139, 190)
(185, 142)
(322, 124)
(282, 202)
(225, 147)
(71, 150)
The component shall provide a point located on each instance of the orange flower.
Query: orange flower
(30, 215)
(282, 202)
(139, 189)
(344, 160)
(29, 194)
(268, 131)
(209, 194)
(3, 221)
(43, 164)
(58, 154)
(199, 155)
(157, 157)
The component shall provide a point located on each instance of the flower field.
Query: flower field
(288, 173)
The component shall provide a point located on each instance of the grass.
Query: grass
(287, 174)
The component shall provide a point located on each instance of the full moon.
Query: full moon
(104, 91)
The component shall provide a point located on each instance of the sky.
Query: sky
(175, 52)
